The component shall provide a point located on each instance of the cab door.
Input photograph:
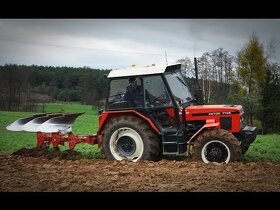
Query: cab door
(158, 103)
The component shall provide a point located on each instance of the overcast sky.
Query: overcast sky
(119, 43)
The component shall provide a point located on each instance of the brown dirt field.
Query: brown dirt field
(22, 173)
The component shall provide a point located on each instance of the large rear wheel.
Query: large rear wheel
(216, 146)
(130, 138)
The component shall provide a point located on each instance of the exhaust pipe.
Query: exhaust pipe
(198, 93)
(196, 71)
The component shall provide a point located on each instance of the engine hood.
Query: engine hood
(214, 109)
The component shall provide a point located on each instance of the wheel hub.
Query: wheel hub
(216, 152)
(126, 145)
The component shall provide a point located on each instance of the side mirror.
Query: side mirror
(198, 95)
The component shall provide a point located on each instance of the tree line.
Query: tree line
(22, 87)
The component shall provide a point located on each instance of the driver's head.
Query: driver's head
(132, 81)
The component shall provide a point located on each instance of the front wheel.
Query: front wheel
(217, 146)
(130, 138)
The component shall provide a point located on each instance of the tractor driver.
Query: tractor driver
(134, 93)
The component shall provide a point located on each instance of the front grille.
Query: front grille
(226, 123)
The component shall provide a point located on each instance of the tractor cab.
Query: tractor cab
(159, 87)
(157, 92)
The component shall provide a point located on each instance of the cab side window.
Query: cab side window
(125, 93)
(117, 91)
(156, 94)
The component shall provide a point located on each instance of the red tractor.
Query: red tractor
(162, 118)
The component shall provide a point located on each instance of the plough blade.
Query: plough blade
(46, 123)
(60, 123)
(18, 124)
(32, 125)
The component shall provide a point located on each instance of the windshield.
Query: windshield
(179, 88)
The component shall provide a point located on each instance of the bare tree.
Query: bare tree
(187, 66)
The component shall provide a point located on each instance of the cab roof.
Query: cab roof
(140, 71)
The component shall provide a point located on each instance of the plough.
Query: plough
(54, 129)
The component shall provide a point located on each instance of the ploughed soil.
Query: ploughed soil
(41, 170)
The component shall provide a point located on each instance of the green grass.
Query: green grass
(84, 124)
(11, 141)
(264, 148)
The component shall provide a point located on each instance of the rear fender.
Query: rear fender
(106, 116)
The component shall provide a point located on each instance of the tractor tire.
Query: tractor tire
(130, 138)
(216, 146)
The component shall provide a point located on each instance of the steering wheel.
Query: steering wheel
(117, 96)
(160, 99)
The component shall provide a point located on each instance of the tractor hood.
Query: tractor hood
(203, 110)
